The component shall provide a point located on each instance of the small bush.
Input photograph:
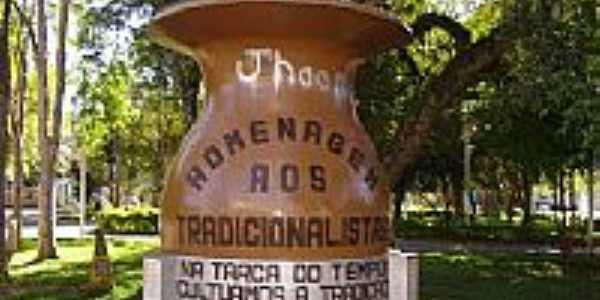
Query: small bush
(437, 225)
(129, 220)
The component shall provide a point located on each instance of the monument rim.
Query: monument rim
(371, 30)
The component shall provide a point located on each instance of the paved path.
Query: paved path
(62, 232)
(75, 232)
(133, 237)
(415, 245)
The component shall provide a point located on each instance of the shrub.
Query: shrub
(541, 229)
(129, 220)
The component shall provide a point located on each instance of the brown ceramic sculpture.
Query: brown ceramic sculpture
(279, 165)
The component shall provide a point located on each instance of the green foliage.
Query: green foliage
(484, 19)
(537, 113)
(129, 220)
(409, 10)
(534, 113)
(128, 127)
(386, 95)
(138, 98)
(108, 109)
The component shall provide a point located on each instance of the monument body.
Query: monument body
(277, 192)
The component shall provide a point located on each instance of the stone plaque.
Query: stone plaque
(254, 279)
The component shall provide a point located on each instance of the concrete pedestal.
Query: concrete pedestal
(404, 275)
(391, 277)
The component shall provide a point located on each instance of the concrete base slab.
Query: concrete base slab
(391, 277)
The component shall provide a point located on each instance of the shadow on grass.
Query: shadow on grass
(468, 276)
(26, 264)
(70, 280)
(516, 265)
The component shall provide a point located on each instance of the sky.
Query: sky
(459, 9)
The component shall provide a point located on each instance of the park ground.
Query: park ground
(457, 275)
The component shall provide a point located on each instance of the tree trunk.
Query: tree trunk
(499, 199)
(49, 146)
(514, 196)
(5, 92)
(446, 191)
(63, 21)
(18, 116)
(590, 224)
(17, 193)
(561, 197)
(190, 102)
(526, 199)
(82, 190)
(46, 247)
(458, 188)
(188, 83)
(113, 170)
(572, 200)
(555, 197)
(400, 197)
(510, 205)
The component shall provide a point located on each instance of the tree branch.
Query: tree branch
(28, 24)
(410, 63)
(442, 92)
(426, 22)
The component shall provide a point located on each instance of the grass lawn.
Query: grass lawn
(67, 277)
(509, 277)
(443, 276)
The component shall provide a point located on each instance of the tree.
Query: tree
(539, 110)
(46, 247)
(527, 65)
(63, 21)
(152, 94)
(155, 65)
(49, 144)
(421, 88)
(124, 135)
(444, 90)
(5, 82)
(17, 120)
